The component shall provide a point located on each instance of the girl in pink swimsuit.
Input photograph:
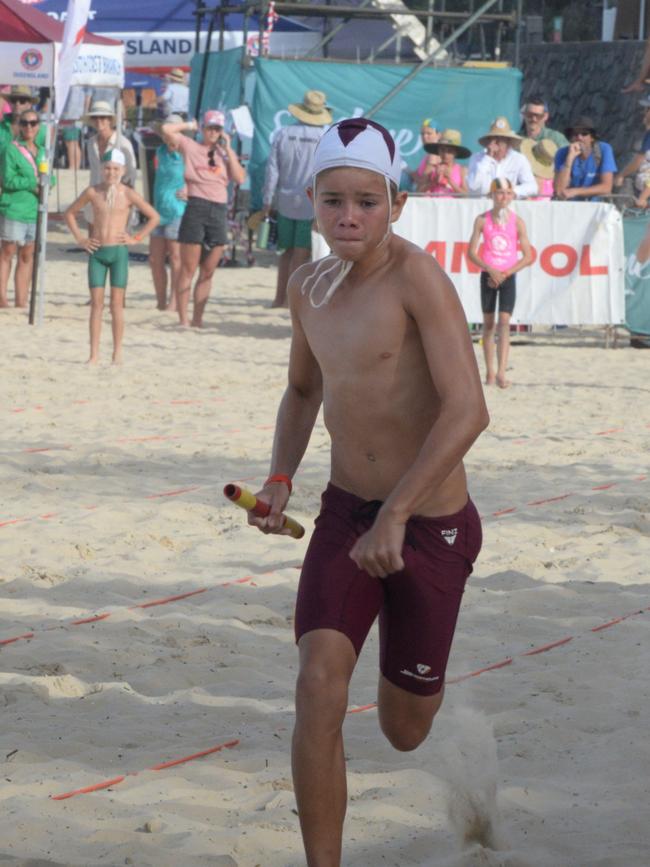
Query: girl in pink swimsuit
(504, 234)
(448, 178)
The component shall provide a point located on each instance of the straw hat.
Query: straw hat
(541, 156)
(312, 110)
(21, 91)
(500, 128)
(176, 75)
(253, 222)
(101, 108)
(449, 138)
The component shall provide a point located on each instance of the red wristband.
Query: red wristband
(279, 477)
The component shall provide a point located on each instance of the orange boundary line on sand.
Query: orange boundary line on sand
(177, 492)
(509, 660)
(96, 618)
(114, 781)
(605, 487)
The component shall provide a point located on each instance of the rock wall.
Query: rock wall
(586, 78)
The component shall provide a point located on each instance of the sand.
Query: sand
(111, 484)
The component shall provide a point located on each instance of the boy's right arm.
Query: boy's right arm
(172, 132)
(296, 416)
(70, 216)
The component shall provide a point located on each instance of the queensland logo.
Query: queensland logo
(31, 59)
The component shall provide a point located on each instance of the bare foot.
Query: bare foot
(171, 307)
(117, 358)
(197, 323)
(184, 323)
(279, 304)
(502, 382)
(92, 360)
(490, 379)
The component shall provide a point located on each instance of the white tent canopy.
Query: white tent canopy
(30, 44)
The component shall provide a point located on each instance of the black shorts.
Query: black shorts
(204, 222)
(507, 293)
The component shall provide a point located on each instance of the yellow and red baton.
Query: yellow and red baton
(246, 500)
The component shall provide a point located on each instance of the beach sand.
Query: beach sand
(111, 482)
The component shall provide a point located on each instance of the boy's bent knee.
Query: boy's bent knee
(406, 738)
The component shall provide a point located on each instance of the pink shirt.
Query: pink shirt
(546, 190)
(203, 180)
(440, 186)
(499, 249)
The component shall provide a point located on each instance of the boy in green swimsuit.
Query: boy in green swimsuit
(111, 203)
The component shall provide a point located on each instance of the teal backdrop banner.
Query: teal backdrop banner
(222, 88)
(636, 237)
(464, 99)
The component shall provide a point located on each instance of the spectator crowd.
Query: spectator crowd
(194, 177)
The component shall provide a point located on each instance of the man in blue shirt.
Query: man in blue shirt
(585, 169)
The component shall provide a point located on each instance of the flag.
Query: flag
(73, 34)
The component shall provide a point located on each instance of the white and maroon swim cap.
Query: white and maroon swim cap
(359, 143)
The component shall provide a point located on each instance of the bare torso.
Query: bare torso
(109, 219)
(379, 400)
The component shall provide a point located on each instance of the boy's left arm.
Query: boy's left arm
(153, 218)
(431, 300)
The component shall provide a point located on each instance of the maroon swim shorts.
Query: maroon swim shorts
(417, 607)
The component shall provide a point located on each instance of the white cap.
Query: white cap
(114, 156)
(359, 143)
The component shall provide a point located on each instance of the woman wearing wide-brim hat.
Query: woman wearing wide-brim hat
(20, 98)
(500, 159)
(541, 156)
(448, 178)
(102, 117)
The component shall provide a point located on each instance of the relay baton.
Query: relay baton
(246, 500)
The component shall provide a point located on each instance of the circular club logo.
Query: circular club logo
(31, 59)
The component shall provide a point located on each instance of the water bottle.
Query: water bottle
(41, 160)
(263, 233)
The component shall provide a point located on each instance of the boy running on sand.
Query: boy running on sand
(380, 339)
(111, 203)
(503, 233)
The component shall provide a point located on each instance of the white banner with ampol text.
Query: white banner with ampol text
(577, 277)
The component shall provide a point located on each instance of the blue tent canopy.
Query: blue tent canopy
(160, 34)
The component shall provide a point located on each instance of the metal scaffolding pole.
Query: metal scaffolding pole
(332, 33)
(429, 59)
(518, 32)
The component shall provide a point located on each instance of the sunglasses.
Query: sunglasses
(211, 161)
(29, 122)
(213, 127)
(22, 99)
(580, 132)
(535, 115)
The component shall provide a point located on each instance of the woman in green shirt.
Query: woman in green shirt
(19, 208)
